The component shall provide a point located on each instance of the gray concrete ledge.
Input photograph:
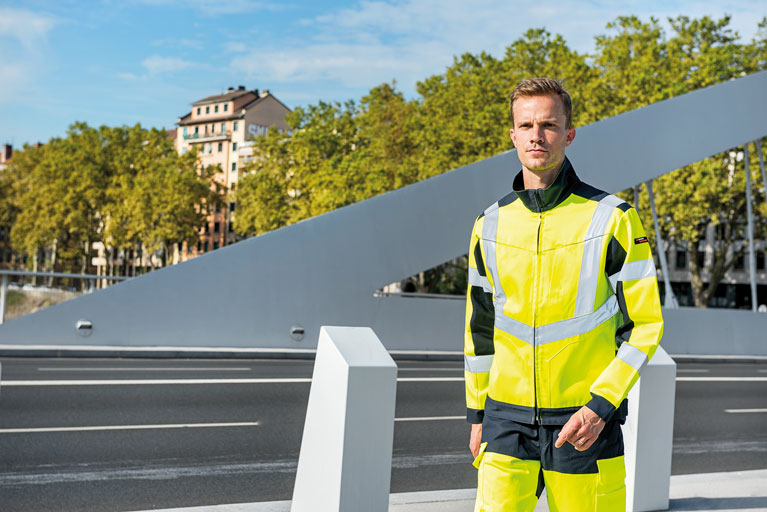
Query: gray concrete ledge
(149, 352)
(124, 352)
(726, 491)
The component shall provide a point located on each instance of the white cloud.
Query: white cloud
(218, 7)
(157, 64)
(23, 35)
(377, 40)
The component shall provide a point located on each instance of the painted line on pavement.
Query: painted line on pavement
(432, 418)
(173, 382)
(137, 369)
(691, 370)
(722, 379)
(124, 427)
(302, 380)
(739, 411)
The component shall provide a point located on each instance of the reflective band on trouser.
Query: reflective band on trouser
(592, 251)
(632, 356)
(560, 330)
(633, 271)
(476, 279)
(489, 236)
(477, 364)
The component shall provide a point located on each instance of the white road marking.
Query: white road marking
(432, 418)
(738, 411)
(691, 370)
(456, 369)
(137, 369)
(722, 379)
(137, 382)
(173, 382)
(300, 380)
(124, 427)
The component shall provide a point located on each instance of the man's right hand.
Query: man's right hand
(476, 438)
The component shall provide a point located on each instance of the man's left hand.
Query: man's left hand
(581, 430)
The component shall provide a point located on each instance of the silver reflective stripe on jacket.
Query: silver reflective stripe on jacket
(476, 279)
(477, 364)
(633, 271)
(632, 356)
(592, 252)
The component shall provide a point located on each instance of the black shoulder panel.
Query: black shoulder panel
(588, 192)
(624, 207)
(507, 199)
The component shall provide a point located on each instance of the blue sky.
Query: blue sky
(144, 61)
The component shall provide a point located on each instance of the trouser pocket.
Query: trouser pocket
(480, 455)
(611, 486)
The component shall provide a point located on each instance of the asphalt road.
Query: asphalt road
(178, 433)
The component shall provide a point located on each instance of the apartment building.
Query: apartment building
(734, 291)
(219, 127)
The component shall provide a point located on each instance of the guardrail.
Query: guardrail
(4, 274)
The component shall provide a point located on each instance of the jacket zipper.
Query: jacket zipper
(536, 411)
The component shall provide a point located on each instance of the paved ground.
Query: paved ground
(123, 435)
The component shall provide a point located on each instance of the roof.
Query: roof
(231, 95)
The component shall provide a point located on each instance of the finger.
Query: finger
(563, 437)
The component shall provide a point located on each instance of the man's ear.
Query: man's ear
(569, 136)
(511, 134)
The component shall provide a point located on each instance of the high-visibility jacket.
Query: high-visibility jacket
(562, 308)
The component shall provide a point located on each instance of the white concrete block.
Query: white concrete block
(346, 450)
(648, 435)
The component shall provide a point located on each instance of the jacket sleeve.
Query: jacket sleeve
(478, 334)
(631, 271)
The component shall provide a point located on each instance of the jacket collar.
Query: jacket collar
(543, 199)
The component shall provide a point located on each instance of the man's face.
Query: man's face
(540, 132)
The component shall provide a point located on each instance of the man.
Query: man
(563, 313)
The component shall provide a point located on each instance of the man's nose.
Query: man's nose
(536, 134)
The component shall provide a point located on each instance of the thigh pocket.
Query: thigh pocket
(480, 455)
(611, 486)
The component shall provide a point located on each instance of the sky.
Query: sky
(122, 62)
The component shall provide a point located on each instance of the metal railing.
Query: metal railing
(4, 274)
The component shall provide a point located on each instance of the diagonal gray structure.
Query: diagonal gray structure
(325, 270)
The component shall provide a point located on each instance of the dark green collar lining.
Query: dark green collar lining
(543, 199)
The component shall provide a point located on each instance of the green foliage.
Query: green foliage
(340, 154)
(125, 187)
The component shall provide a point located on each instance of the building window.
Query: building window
(215, 245)
(196, 130)
(207, 109)
(223, 127)
(205, 246)
(701, 259)
(231, 227)
(226, 107)
(233, 205)
(199, 246)
(234, 146)
(207, 230)
(220, 147)
(234, 166)
(184, 150)
(217, 227)
(760, 260)
(217, 208)
(184, 131)
(198, 111)
(681, 259)
(234, 127)
(215, 108)
(740, 262)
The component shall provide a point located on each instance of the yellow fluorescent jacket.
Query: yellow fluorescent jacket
(562, 308)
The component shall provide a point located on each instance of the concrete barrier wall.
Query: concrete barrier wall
(325, 270)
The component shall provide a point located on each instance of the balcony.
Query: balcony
(208, 136)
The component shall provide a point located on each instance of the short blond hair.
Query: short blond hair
(542, 87)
